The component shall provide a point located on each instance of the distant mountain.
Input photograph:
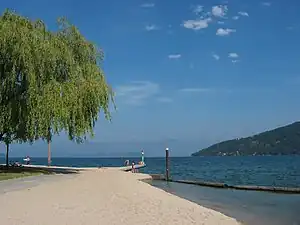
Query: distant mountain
(280, 141)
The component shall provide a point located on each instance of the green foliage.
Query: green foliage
(281, 141)
(50, 81)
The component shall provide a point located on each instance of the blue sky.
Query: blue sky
(187, 71)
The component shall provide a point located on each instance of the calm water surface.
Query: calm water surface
(249, 207)
(260, 208)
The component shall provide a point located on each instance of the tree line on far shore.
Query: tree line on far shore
(51, 81)
(280, 141)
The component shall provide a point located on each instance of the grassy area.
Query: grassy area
(8, 175)
(12, 173)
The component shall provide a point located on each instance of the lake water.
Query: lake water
(250, 207)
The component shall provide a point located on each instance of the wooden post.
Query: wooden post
(167, 164)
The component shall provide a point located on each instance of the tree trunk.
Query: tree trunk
(49, 152)
(7, 150)
(49, 138)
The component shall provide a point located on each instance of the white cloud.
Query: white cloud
(233, 55)
(198, 9)
(174, 56)
(266, 3)
(224, 32)
(197, 24)
(151, 27)
(137, 92)
(243, 13)
(148, 5)
(220, 22)
(164, 100)
(215, 56)
(219, 10)
(235, 17)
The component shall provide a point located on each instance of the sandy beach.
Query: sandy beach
(102, 196)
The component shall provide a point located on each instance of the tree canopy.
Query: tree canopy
(280, 141)
(50, 80)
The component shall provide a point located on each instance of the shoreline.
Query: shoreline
(261, 208)
(95, 196)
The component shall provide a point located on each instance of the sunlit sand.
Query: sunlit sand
(102, 196)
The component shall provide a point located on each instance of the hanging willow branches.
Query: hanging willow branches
(50, 80)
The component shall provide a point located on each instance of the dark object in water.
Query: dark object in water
(285, 190)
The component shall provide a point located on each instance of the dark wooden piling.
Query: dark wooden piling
(167, 164)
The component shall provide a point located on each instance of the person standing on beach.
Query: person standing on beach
(142, 156)
(126, 163)
(132, 167)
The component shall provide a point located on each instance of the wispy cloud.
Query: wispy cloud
(212, 90)
(224, 32)
(233, 55)
(243, 13)
(293, 27)
(148, 5)
(266, 3)
(197, 24)
(198, 9)
(235, 17)
(164, 99)
(201, 22)
(170, 29)
(174, 56)
(219, 10)
(215, 56)
(151, 27)
(222, 90)
(235, 61)
(196, 90)
(137, 92)
(191, 66)
(220, 22)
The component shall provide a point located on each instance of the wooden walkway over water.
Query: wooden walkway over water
(66, 169)
(284, 190)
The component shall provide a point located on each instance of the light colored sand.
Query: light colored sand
(103, 196)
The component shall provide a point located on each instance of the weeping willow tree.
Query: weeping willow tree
(51, 81)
